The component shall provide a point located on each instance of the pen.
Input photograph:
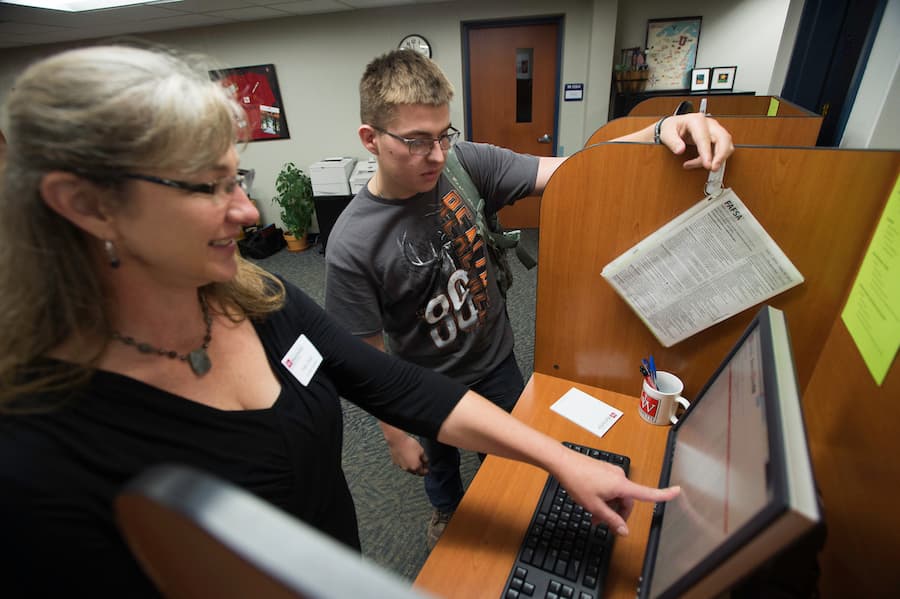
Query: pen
(653, 369)
(647, 376)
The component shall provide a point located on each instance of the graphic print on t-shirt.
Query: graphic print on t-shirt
(459, 300)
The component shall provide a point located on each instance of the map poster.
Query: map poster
(672, 52)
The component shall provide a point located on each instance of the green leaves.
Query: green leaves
(295, 197)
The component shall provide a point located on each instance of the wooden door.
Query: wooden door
(512, 91)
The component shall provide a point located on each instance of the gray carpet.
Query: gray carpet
(391, 505)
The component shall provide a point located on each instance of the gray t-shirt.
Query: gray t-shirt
(417, 269)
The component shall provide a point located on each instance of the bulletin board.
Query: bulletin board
(256, 88)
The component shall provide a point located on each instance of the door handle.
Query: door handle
(545, 139)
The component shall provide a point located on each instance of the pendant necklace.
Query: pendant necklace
(197, 359)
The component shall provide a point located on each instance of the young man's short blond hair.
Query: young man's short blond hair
(400, 77)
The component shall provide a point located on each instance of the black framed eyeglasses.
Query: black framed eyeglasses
(224, 186)
(421, 146)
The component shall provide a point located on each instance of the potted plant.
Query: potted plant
(294, 195)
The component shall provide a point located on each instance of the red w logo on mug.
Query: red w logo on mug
(649, 405)
(659, 405)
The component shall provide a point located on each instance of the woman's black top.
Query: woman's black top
(60, 470)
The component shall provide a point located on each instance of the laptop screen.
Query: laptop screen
(729, 455)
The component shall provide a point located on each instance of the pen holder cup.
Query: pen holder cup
(659, 406)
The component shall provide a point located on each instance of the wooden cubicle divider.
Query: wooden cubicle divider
(853, 435)
(720, 104)
(854, 444)
(820, 206)
(748, 124)
(747, 130)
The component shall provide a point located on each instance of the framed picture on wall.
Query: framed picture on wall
(700, 80)
(256, 88)
(722, 78)
(671, 52)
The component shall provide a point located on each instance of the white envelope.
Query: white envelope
(587, 412)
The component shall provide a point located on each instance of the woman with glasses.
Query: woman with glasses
(406, 259)
(134, 334)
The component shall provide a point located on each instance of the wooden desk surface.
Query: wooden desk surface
(477, 550)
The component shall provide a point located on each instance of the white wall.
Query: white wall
(744, 33)
(786, 47)
(319, 58)
(875, 118)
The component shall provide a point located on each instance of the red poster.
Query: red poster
(256, 88)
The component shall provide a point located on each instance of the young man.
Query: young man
(405, 260)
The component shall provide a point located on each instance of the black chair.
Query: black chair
(197, 536)
(684, 107)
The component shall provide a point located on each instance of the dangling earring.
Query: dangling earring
(111, 254)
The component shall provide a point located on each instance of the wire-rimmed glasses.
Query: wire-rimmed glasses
(421, 146)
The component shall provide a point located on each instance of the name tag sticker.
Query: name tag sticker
(302, 360)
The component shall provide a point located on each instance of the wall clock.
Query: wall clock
(417, 43)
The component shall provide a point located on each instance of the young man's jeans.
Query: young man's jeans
(443, 483)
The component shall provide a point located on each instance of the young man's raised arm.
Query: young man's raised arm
(713, 142)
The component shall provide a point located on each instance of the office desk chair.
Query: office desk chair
(684, 107)
(198, 536)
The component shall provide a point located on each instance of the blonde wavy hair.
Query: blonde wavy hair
(103, 109)
(400, 77)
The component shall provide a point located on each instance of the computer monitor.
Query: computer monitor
(739, 454)
(197, 536)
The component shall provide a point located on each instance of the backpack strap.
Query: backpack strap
(488, 226)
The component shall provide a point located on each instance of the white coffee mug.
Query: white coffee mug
(658, 406)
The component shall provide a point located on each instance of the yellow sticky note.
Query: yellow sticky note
(872, 313)
(773, 107)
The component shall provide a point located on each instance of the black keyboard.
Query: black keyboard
(562, 556)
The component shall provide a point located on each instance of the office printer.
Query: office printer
(362, 173)
(331, 176)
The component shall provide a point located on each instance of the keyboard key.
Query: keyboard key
(572, 571)
(561, 567)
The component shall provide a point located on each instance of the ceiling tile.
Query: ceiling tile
(209, 5)
(375, 3)
(187, 20)
(24, 26)
(10, 27)
(308, 7)
(250, 13)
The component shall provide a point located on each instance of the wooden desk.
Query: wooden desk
(478, 548)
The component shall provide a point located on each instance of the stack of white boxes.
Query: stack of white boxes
(362, 173)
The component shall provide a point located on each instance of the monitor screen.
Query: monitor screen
(729, 453)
